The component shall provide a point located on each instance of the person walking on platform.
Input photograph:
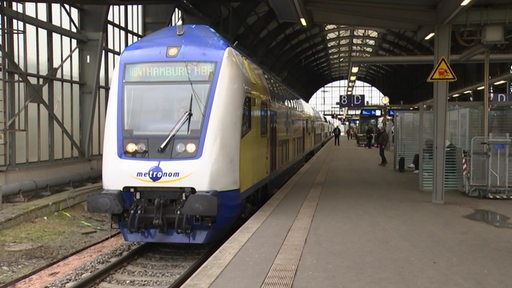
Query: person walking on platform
(336, 132)
(349, 133)
(369, 137)
(382, 141)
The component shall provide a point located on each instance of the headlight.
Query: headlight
(130, 147)
(142, 147)
(191, 147)
(180, 147)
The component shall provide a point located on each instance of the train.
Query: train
(196, 136)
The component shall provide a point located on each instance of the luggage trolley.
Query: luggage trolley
(489, 170)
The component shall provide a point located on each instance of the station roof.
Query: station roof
(385, 38)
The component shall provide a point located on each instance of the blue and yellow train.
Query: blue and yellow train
(196, 135)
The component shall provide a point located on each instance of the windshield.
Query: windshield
(153, 106)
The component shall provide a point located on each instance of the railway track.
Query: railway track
(128, 265)
(144, 265)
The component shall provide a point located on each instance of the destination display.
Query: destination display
(169, 71)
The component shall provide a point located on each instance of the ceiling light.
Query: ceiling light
(500, 82)
(467, 91)
(355, 69)
(465, 2)
(300, 9)
(353, 78)
(456, 95)
(480, 88)
(430, 36)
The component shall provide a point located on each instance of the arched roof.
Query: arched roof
(384, 37)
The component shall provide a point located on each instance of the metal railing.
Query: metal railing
(489, 174)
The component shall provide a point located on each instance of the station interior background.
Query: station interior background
(56, 63)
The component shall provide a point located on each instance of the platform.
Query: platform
(12, 214)
(345, 221)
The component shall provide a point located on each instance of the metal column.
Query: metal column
(442, 48)
(93, 19)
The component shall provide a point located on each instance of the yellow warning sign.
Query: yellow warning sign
(442, 72)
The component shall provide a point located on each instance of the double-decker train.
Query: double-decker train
(195, 135)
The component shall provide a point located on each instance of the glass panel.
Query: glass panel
(154, 109)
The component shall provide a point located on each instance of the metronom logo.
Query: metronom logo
(157, 174)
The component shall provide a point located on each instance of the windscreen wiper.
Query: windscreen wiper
(186, 116)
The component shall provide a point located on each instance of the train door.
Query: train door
(273, 141)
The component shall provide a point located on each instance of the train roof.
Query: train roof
(198, 40)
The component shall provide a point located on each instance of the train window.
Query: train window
(288, 122)
(156, 96)
(145, 114)
(264, 118)
(246, 117)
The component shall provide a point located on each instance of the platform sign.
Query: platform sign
(442, 72)
(371, 112)
(351, 100)
(501, 97)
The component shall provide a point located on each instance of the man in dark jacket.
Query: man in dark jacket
(336, 132)
(369, 137)
(382, 141)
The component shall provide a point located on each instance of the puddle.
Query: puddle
(490, 217)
